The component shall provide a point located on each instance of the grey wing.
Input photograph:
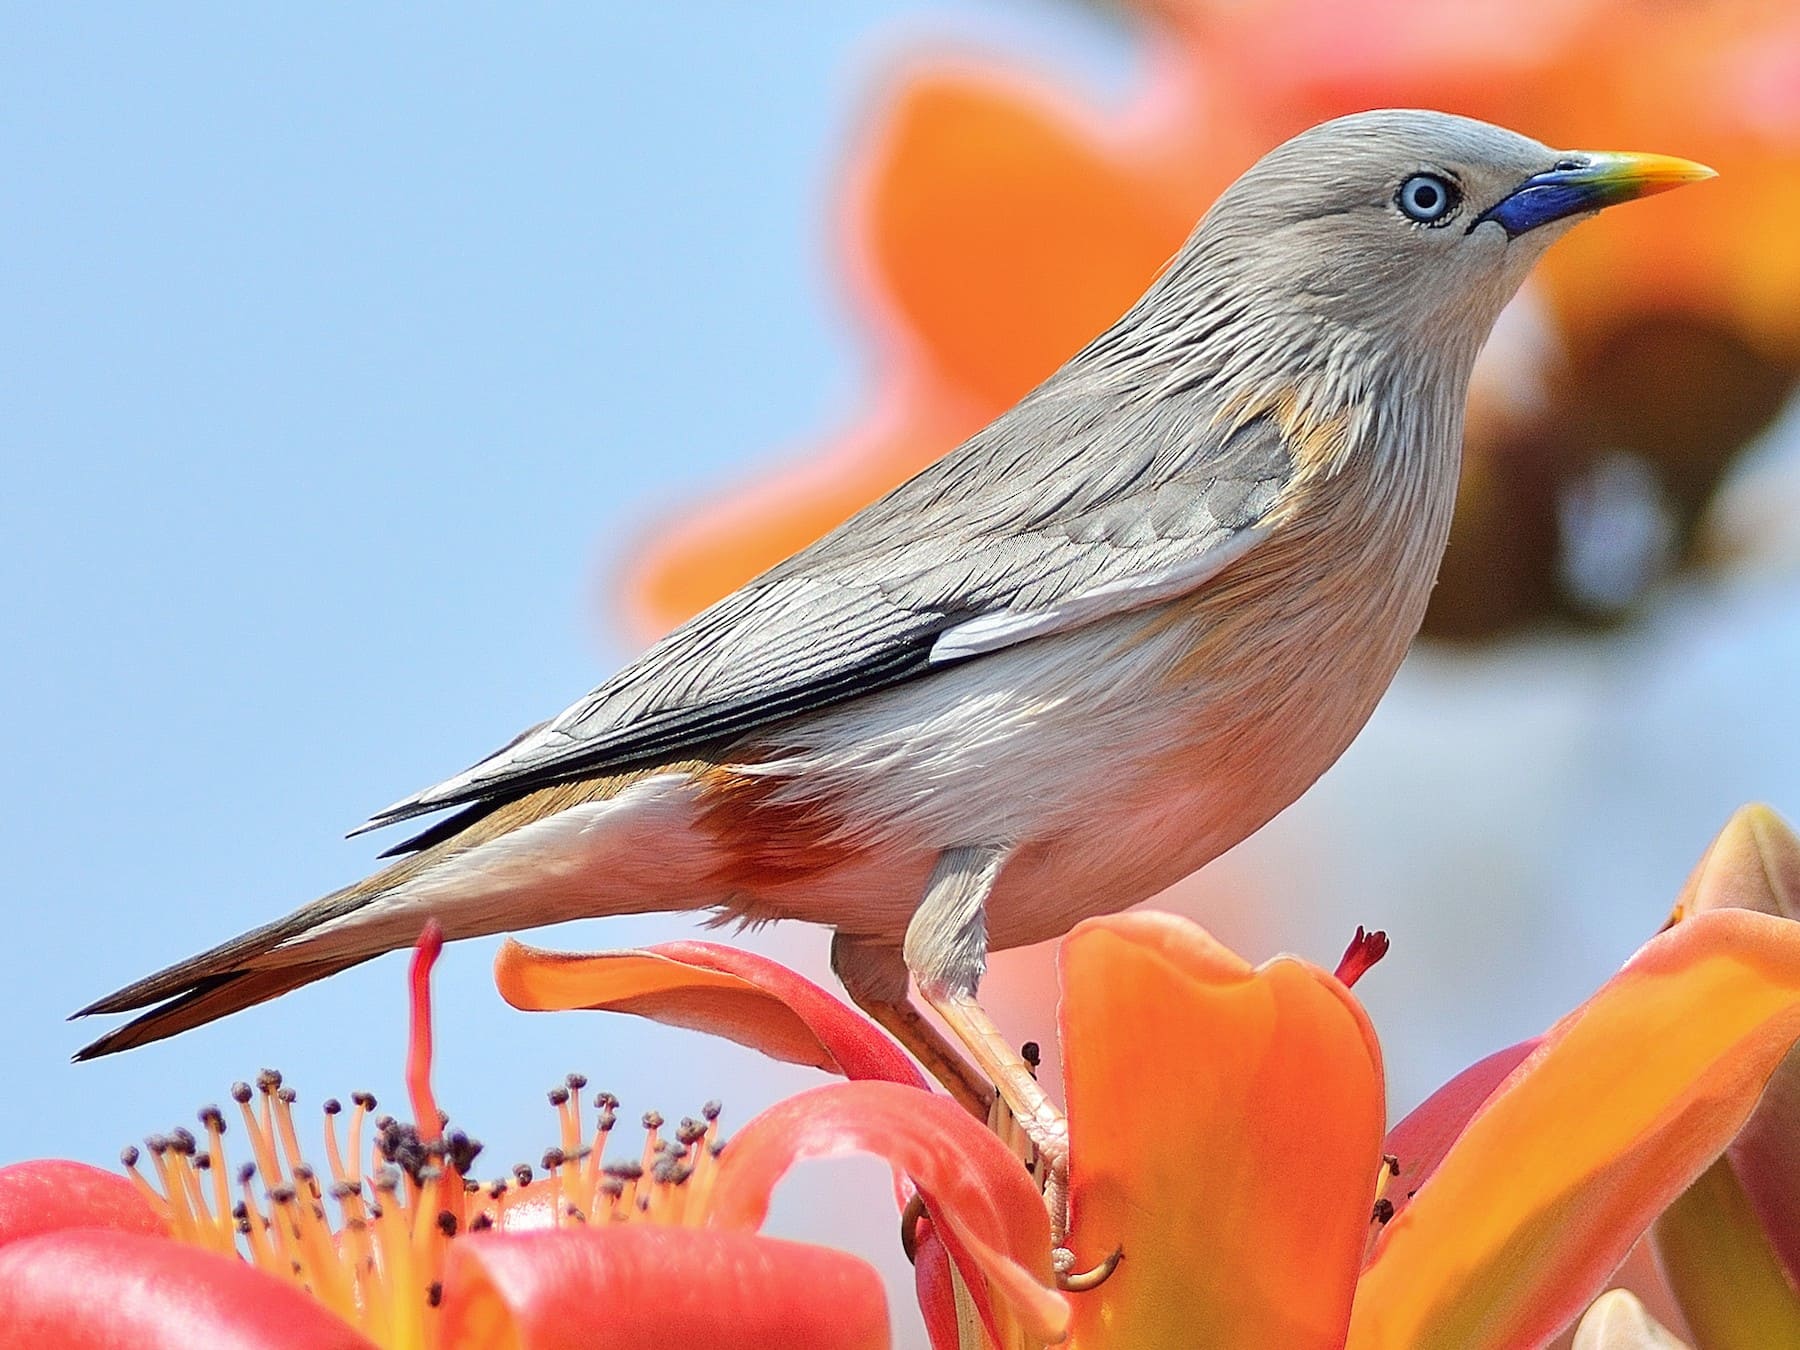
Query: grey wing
(1072, 506)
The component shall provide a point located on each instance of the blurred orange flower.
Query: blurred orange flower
(994, 222)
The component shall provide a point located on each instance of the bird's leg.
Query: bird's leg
(875, 978)
(946, 949)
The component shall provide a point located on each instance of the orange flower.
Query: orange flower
(995, 223)
(1225, 1127)
(1730, 1246)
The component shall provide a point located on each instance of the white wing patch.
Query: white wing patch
(1005, 627)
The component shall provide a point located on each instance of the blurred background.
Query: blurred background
(375, 385)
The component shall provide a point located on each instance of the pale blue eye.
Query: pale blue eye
(1427, 198)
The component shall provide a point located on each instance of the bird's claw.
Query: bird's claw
(1072, 1281)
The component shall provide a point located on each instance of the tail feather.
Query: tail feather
(209, 998)
(313, 941)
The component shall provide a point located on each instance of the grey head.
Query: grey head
(1398, 230)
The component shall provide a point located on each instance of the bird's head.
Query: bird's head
(1402, 226)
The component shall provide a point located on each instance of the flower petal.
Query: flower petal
(94, 1289)
(934, 1283)
(1623, 1104)
(1721, 1269)
(1225, 1131)
(976, 186)
(1617, 1321)
(709, 987)
(48, 1194)
(1421, 1141)
(1755, 864)
(984, 1204)
(630, 1285)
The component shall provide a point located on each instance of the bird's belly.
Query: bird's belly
(1116, 759)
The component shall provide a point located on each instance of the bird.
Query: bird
(1102, 641)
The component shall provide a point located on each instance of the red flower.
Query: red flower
(666, 1249)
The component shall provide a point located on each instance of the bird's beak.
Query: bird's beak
(1588, 181)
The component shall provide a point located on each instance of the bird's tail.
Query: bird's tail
(569, 851)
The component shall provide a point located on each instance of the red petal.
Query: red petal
(91, 1289)
(1425, 1136)
(631, 1285)
(935, 1286)
(707, 986)
(987, 1208)
(52, 1193)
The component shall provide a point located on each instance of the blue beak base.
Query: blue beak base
(1580, 183)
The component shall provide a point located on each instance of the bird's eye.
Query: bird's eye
(1427, 198)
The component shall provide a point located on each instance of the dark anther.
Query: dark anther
(344, 1190)
(1392, 1163)
(303, 1173)
(446, 1222)
(1080, 1282)
(553, 1159)
(576, 1081)
(332, 1106)
(128, 1156)
(268, 1080)
(212, 1118)
(712, 1110)
(481, 1223)
(383, 1122)
(606, 1101)
(1033, 1056)
(240, 1092)
(690, 1132)
(241, 1212)
(157, 1144)
(522, 1172)
(434, 1293)
(612, 1186)
(462, 1151)
(280, 1195)
(183, 1141)
(288, 1095)
(366, 1100)
(246, 1174)
(203, 1161)
(559, 1096)
(624, 1171)
(653, 1120)
(1384, 1210)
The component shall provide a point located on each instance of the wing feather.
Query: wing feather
(1078, 504)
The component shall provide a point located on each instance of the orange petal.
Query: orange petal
(1422, 1141)
(707, 986)
(716, 546)
(1723, 1273)
(1225, 1131)
(1620, 1108)
(1755, 864)
(984, 1205)
(1005, 224)
(631, 1285)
